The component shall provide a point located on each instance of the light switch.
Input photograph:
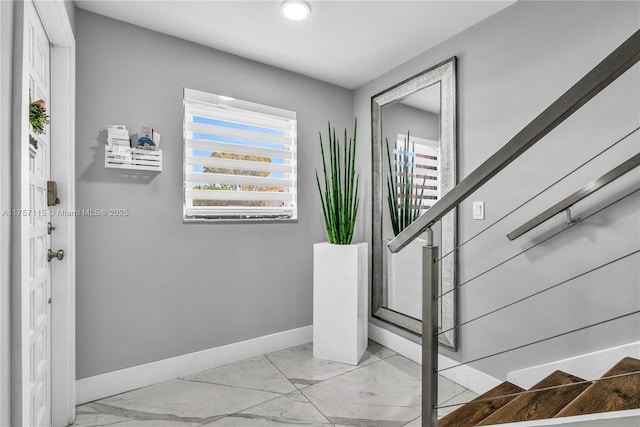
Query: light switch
(478, 210)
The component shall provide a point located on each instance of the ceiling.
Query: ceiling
(347, 43)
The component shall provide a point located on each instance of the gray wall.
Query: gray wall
(148, 286)
(6, 51)
(511, 67)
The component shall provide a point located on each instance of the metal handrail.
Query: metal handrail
(574, 198)
(608, 70)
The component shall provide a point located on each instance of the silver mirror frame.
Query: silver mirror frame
(445, 74)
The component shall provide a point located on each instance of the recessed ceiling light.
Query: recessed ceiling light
(226, 98)
(295, 10)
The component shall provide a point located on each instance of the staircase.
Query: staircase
(617, 390)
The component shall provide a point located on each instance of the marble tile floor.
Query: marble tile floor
(286, 388)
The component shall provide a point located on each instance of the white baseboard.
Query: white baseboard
(400, 345)
(112, 383)
(629, 418)
(587, 366)
(468, 377)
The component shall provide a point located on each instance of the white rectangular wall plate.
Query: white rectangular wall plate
(478, 210)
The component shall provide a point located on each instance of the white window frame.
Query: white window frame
(217, 107)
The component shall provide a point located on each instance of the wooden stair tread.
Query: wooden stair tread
(473, 412)
(616, 394)
(539, 405)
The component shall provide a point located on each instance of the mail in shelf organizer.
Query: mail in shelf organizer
(135, 158)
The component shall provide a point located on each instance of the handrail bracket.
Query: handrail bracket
(571, 220)
(429, 236)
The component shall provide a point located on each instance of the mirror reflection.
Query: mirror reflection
(414, 164)
(411, 129)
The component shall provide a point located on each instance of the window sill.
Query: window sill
(238, 220)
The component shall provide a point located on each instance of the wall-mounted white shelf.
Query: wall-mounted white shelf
(139, 159)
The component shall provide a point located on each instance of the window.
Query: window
(239, 159)
(425, 155)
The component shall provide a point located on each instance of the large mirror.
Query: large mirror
(414, 164)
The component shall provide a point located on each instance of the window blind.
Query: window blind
(425, 156)
(239, 159)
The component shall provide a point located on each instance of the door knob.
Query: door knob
(59, 255)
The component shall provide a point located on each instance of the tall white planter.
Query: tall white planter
(404, 279)
(340, 315)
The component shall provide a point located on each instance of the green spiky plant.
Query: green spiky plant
(38, 116)
(340, 193)
(404, 206)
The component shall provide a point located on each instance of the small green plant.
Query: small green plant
(38, 116)
(404, 205)
(340, 193)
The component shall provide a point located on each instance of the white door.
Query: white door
(37, 327)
